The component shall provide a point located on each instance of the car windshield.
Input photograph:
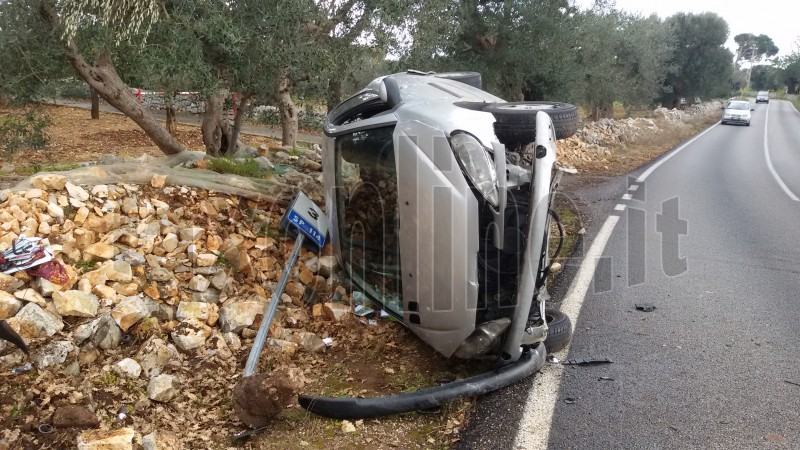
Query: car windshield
(738, 105)
(762, 94)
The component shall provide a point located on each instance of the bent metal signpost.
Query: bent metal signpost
(305, 219)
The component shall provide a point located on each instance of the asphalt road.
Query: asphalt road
(711, 238)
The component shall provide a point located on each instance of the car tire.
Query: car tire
(559, 330)
(516, 121)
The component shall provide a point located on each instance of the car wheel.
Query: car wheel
(748, 124)
(516, 121)
(559, 330)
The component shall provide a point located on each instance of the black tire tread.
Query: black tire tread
(519, 123)
(559, 330)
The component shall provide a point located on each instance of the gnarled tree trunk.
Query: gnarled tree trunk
(241, 112)
(215, 128)
(334, 93)
(288, 110)
(172, 118)
(103, 77)
(95, 103)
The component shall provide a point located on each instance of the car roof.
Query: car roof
(738, 102)
(763, 92)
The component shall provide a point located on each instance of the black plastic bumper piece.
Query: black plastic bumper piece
(364, 408)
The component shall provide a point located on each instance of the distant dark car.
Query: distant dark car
(762, 96)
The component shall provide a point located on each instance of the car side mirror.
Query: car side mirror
(752, 109)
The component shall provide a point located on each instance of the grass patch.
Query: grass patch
(571, 220)
(247, 167)
(85, 266)
(109, 378)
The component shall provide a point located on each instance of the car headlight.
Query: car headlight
(475, 161)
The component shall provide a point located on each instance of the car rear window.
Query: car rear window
(738, 105)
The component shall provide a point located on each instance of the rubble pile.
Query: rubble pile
(184, 273)
(598, 140)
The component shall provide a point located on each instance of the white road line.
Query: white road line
(534, 427)
(627, 197)
(619, 207)
(661, 161)
(537, 417)
(769, 162)
(633, 187)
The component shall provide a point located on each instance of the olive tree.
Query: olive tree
(700, 64)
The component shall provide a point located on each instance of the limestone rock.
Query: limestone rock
(10, 284)
(129, 311)
(236, 316)
(159, 274)
(192, 233)
(206, 259)
(348, 427)
(220, 280)
(162, 388)
(119, 439)
(199, 283)
(128, 367)
(56, 212)
(335, 311)
(132, 257)
(75, 303)
(30, 295)
(197, 310)
(76, 192)
(327, 264)
(9, 305)
(108, 334)
(45, 287)
(49, 181)
(100, 250)
(170, 242)
(285, 347)
(158, 181)
(84, 331)
(190, 334)
(154, 355)
(52, 354)
(119, 271)
(34, 322)
(162, 440)
(74, 416)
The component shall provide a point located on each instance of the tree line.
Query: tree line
(275, 52)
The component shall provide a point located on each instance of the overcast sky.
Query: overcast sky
(778, 19)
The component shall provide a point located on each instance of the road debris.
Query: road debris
(645, 307)
(587, 361)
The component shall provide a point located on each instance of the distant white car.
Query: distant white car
(737, 112)
(762, 96)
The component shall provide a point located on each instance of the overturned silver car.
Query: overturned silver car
(439, 198)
